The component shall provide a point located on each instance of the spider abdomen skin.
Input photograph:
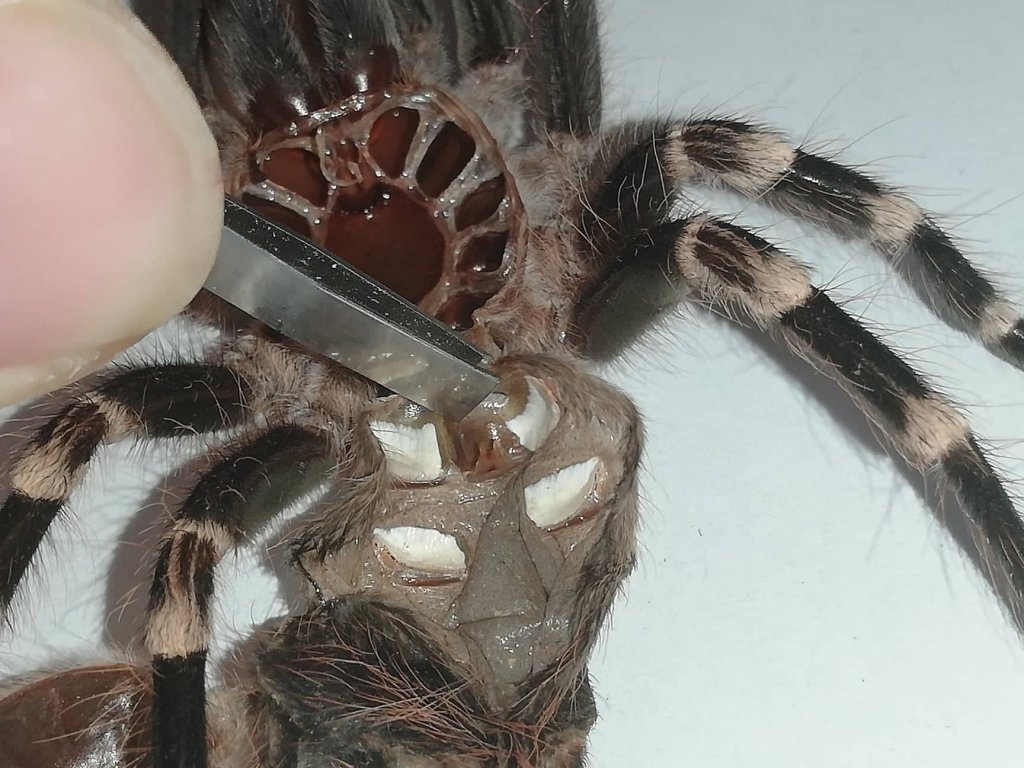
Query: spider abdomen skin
(489, 524)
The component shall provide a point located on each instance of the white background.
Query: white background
(798, 601)
(798, 604)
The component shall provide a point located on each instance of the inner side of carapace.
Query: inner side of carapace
(406, 186)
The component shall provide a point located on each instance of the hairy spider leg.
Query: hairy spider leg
(563, 66)
(487, 32)
(732, 269)
(232, 502)
(353, 659)
(558, 43)
(762, 164)
(173, 400)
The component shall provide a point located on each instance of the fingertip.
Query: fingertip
(112, 202)
(20, 382)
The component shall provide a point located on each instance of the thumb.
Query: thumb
(111, 203)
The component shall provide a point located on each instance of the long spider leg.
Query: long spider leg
(163, 401)
(563, 65)
(762, 164)
(349, 506)
(731, 268)
(268, 66)
(230, 504)
(176, 26)
(487, 31)
(541, 55)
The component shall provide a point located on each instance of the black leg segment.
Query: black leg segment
(162, 401)
(231, 503)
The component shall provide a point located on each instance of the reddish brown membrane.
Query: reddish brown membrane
(405, 184)
(83, 717)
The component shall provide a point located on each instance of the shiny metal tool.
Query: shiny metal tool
(294, 287)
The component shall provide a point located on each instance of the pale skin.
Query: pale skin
(110, 206)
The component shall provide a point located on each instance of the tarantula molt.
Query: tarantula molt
(450, 579)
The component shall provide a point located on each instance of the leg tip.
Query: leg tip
(1010, 346)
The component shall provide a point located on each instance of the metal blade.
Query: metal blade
(303, 292)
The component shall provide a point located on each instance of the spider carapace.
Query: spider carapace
(458, 573)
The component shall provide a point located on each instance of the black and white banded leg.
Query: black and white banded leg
(733, 269)
(228, 506)
(761, 164)
(162, 401)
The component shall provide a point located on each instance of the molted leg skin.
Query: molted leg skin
(733, 269)
(760, 163)
(563, 66)
(488, 32)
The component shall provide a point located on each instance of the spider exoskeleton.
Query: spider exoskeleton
(458, 574)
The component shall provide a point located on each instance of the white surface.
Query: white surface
(797, 603)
